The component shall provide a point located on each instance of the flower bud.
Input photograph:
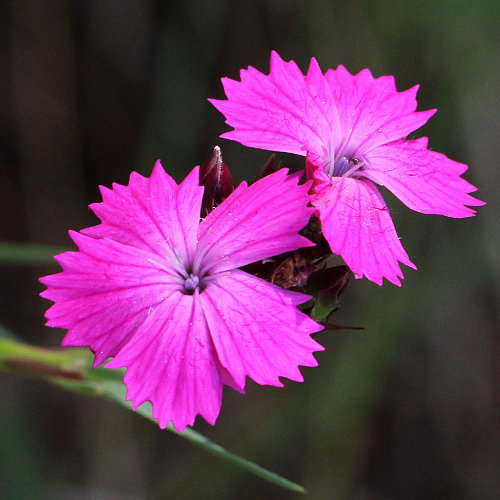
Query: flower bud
(268, 168)
(217, 179)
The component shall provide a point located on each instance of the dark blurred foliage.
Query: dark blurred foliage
(406, 409)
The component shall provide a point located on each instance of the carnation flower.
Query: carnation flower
(161, 293)
(352, 128)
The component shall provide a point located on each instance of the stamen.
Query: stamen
(354, 168)
(346, 166)
(341, 166)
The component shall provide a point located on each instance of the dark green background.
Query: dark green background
(408, 409)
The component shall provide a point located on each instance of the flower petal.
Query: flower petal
(105, 292)
(255, 222)
(273, 111)
(171, 362)
(330, 115)
(358, 226)
(371, 110)
(257, 329)
(424, 180)
(153, 214)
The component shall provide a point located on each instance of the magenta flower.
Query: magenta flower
(160, 292)
(352, 128)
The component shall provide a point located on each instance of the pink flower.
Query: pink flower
(352, 128)
(160, 292)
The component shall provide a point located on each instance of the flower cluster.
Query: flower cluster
(187, 286)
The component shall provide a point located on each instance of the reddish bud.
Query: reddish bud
(217, 179)
(269, 168)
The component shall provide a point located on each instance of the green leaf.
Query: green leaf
(71, 368)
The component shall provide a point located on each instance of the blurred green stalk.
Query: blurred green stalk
(27, 253)
(72, 370)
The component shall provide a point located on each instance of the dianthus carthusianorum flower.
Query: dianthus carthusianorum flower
(352, 128)
(161, 293)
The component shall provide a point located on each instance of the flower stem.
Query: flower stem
(27, 253)
(72, 369)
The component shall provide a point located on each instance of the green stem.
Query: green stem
(215, 449)
(27, 253)
(72, 370)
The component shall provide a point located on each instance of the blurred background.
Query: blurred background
(408, 409)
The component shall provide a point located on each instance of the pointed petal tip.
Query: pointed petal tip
(98, 359)
(228, 135)
(314, 66)
(378, 279)
(178, 427)
(276, 57)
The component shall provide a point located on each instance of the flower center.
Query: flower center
(347, 166)
(192, 281)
